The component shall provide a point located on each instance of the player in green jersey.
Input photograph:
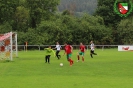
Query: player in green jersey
(48, 53)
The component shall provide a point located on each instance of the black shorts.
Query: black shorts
(57, 52)
(91, 51)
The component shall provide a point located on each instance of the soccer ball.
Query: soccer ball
(61, 64)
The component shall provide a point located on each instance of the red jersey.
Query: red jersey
(82, 48)
(68, 49)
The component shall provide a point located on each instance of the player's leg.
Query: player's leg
(78, 56)
(94, 53)
(48, 58)
(82, 56)
(69, 59)
(59, 55)
(91, 52)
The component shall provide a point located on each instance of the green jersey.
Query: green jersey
(49, 51)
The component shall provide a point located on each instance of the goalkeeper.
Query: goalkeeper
(48, 53)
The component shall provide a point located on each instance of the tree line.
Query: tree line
(40, 22)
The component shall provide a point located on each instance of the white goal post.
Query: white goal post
(8, 46)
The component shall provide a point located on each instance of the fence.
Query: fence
(41, 47)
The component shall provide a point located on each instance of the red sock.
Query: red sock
(71, 61)
(78, 57)
(82, 58)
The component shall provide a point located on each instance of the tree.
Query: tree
(105, 9)
(66, 12)
(96, 30)
(54, 31)
(40, 9)
(7, 9)
(21, 19)
(5, 27)
(125, 31)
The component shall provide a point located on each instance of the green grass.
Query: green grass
(109, 69)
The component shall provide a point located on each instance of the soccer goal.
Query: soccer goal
(8, 46)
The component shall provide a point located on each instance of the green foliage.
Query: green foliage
(105, 9)
(7, 10)
(21, 19)
(32, 37)
(87, 31)
(125, 31)
(54, 31)
(66, 12)
(38, 22)
(4, 28)
(40, 9)
(51, 30)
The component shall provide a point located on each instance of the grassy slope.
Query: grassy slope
(109, 69)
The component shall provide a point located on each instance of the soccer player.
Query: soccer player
(82, 50)
(49, 52)
(68, 52)
(58, 48)
(92, 47)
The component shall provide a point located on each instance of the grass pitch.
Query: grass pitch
(109, 69)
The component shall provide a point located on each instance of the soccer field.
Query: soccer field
(109, 69)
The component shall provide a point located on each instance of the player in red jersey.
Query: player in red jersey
(82, 51)
(68, 52)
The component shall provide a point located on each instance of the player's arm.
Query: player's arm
(71, 48)
(64, 52)
(84, 49)
(55, 47)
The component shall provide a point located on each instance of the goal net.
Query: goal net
(8, 46)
